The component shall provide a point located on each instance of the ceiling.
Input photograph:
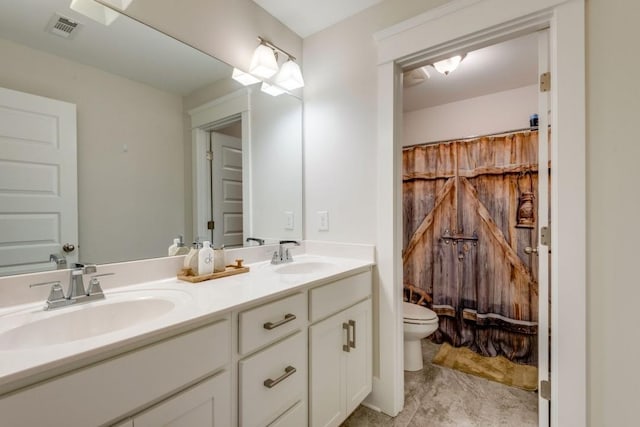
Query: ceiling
(126, 48)
(500, 67)
(306, 17)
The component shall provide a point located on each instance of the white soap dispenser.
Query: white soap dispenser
(205, 259)
(191, 260)
(173, 249)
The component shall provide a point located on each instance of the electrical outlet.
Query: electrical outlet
(323, 221)
(288, 220)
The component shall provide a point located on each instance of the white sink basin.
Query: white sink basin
(34, 328)
(304, 267)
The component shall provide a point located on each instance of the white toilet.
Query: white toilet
(419, 322)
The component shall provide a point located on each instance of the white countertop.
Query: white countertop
(199, 304)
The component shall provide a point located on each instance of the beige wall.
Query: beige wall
(227, 29)
(130, 202)
(340, 71)
(613, 175)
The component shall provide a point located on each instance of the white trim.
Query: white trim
(480, 22)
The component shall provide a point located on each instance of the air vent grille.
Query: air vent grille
(62, 26)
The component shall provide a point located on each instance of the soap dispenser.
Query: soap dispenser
(191, 260)
(205, 259)
(173, 249)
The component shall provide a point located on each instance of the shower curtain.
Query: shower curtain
(462, 244)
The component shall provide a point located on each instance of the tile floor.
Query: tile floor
(442, 397)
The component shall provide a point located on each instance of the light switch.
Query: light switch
(323, 221)
(289, 224)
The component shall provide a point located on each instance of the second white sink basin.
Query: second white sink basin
(304, 267)
(37, 328)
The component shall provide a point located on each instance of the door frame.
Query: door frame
(203, 118)
(463, 25)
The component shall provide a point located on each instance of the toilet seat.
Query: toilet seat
(418, 315)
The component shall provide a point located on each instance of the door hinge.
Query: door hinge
(545, 389)
(211, 225)
(545, 82)
(209, 155)
(545, 236)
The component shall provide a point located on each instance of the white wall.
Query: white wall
(496, 112)
(340, 71)
(130, 203)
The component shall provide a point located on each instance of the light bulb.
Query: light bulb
(447, 65)
(263, 62)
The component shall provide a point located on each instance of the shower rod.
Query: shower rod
(466, 138)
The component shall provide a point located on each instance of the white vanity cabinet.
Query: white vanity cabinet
(206, 404)
(340, 349)
(163, 372)
(272, 375)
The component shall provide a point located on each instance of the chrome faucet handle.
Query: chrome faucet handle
(56, 294)
(259, 241)
(94, 284)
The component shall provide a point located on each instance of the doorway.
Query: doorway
(440, 32)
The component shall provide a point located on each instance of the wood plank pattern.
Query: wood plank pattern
(486, 294)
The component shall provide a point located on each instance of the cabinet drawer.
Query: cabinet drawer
(329, 299)
(122, 384)
(269, 322)
(260, 404)
(294, 417)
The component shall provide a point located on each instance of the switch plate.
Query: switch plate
(289, 224)
(323, 221)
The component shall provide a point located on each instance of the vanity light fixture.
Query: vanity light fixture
(264, 66)
(98, 12)
(448, 65)
(271, 89)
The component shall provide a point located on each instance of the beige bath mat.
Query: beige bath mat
(499, 369)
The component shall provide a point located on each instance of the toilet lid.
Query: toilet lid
(418, 312)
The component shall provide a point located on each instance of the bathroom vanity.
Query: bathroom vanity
(287, 345)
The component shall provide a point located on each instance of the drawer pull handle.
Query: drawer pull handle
(345, 347)
(352, 342)
(288, 371)
(272, 325)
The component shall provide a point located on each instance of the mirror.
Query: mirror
(133, 89)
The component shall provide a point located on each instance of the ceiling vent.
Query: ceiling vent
(62, 26)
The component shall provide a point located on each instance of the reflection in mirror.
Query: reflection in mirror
(101, 157)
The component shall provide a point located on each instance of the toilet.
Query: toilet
(419, 322)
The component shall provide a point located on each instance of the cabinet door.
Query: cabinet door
(358, 360)
(326, 391)
(205, 404)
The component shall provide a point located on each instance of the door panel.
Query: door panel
(38, 189)
(227, 189)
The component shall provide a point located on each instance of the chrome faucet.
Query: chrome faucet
(76, 292)
(60, 260)
(283, 255)
(255, 239)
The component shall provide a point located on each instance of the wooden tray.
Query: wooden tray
(230, 270)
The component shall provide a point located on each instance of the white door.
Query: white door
(38, 189)
(206, 404)
(543, 221)
(226, 185)
(326, 366)
(358, 360)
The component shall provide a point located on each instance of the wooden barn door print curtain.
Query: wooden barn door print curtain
(463, 245)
